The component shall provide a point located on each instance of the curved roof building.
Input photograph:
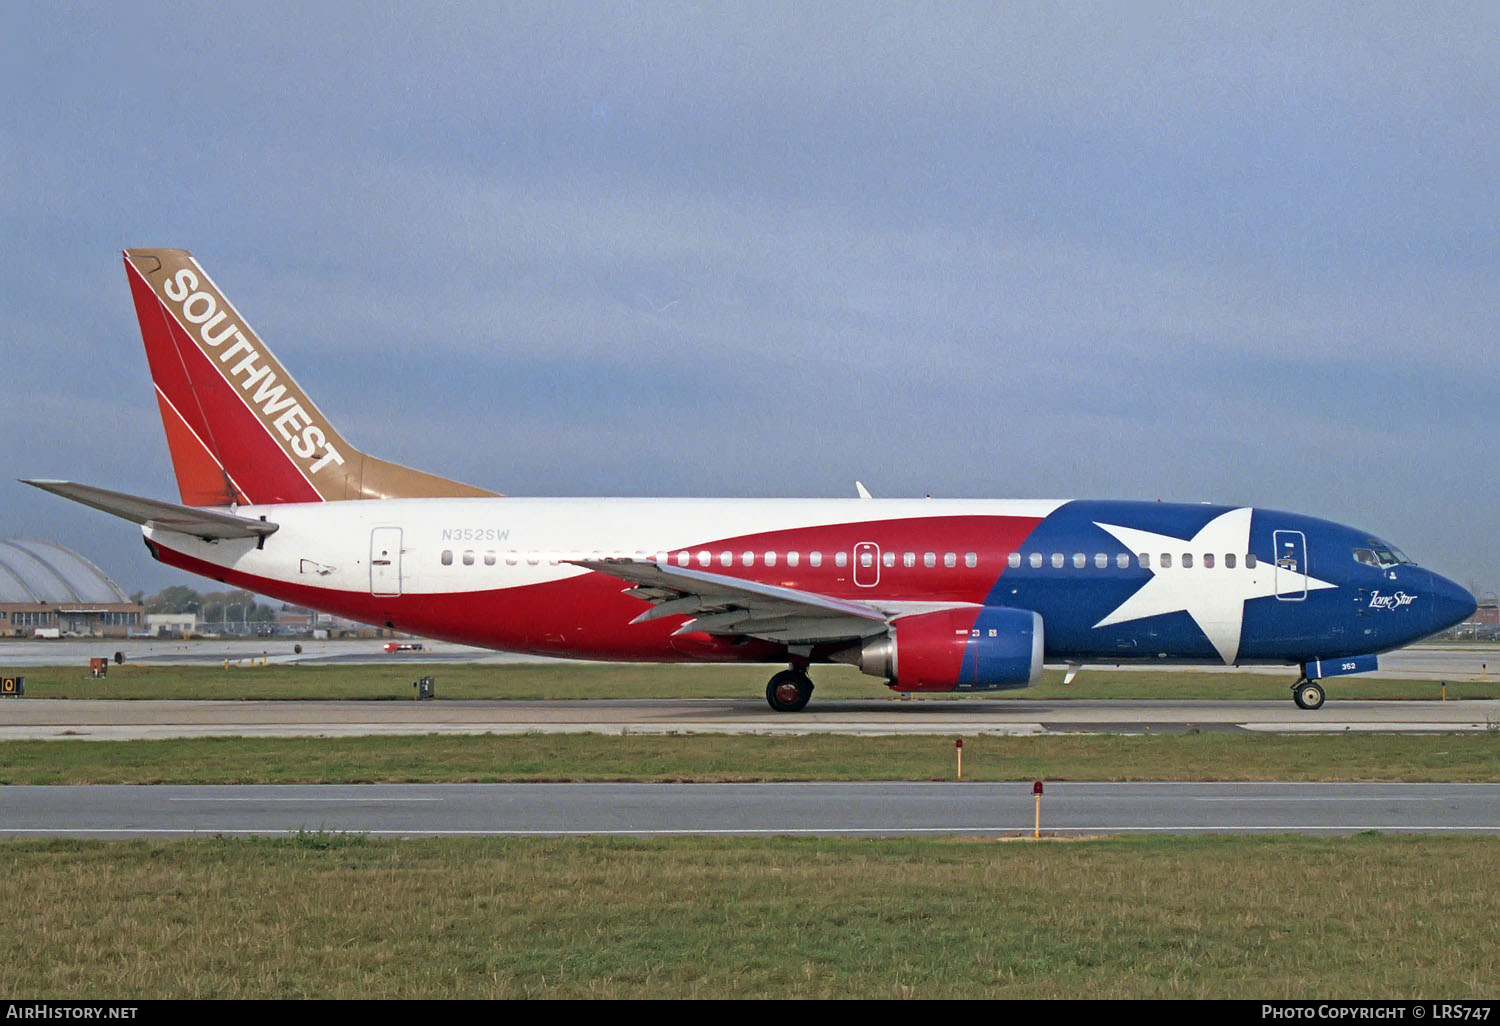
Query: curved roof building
(36, 572)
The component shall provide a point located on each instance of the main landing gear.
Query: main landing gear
(789, 690)
(1307, 695)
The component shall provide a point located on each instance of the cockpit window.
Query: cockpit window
(1380, 555)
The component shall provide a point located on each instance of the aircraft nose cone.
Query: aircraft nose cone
(1451, 603)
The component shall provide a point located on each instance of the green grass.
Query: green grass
(323, 916)
(594, 757)
(393, 682)
(335, 916)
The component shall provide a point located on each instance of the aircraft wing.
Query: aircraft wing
(207, 524)
(728, 605)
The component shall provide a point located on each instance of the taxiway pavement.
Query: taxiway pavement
(826, 809)
(109, 720)
(1454, 662)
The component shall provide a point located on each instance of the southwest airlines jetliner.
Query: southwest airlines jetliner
(932, 595)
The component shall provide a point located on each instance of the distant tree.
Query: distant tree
(177, 598)
(234, 606)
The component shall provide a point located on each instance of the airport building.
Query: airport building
(50, 591)
(171, 625)
(1484, 625)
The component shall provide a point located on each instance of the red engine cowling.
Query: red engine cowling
(973, 649)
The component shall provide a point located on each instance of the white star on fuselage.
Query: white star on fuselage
(1214, 596)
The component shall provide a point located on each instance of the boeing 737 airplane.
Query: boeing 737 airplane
(932, 595)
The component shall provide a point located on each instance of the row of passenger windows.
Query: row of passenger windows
(1122, 560)
(704, 558)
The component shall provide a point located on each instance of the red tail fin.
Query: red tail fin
(239, 428)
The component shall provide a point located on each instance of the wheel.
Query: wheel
(789, 691)
(1307, 695)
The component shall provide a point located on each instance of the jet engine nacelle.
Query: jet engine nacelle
(972, 649)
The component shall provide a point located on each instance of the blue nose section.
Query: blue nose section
(1451, 604)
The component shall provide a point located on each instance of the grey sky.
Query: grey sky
(1240, 253)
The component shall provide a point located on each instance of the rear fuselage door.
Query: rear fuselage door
(385, 561)
(1291, 565)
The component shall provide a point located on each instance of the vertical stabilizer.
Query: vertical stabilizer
(239, 428)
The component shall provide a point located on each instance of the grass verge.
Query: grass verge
(323, 916)
(704, 758)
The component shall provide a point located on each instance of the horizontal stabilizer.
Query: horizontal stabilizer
(166, 516)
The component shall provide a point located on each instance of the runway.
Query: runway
(99, 720)
(814, 809)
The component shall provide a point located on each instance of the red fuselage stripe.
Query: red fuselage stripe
(588, 615)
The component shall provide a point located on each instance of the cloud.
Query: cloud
(1022, 250)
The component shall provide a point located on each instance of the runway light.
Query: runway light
(959, 745)
(1036, 789)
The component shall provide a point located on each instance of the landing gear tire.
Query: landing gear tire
(789, 691)
(1307, 695)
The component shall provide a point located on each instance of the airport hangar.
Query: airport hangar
(48, 588)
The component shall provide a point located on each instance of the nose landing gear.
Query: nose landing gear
(789, 690)
(1307, 695)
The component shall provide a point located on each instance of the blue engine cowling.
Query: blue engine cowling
(975, 648)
